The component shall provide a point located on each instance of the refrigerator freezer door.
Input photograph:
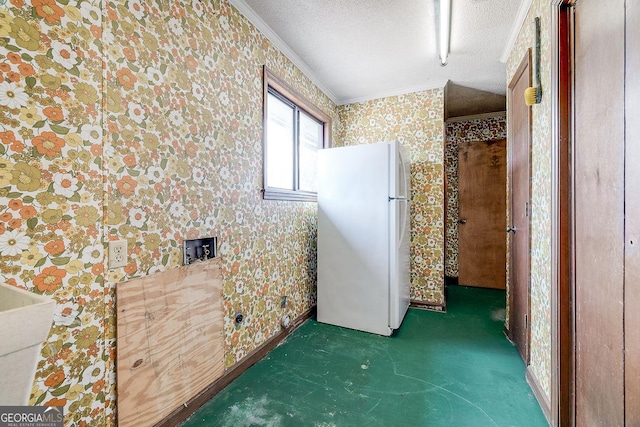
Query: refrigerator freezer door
(399, 179)
(353, 239)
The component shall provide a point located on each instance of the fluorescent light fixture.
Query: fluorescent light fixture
(445, 30)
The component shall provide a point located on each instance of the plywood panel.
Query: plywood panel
(599, 210)
(632, 226)
(482, 172)
(169, 340)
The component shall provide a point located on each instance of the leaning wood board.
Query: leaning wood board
(169, 340)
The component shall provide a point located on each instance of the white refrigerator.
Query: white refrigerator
(364, 236)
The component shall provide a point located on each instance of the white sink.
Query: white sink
(25, 320)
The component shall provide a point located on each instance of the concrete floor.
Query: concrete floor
(439, 369)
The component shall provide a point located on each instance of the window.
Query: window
(294, 131)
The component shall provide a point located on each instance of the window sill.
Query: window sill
(289, 195)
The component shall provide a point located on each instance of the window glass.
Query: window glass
(280, 144)
(310, 142)
(294, 131)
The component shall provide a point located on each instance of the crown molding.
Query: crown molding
(477, 117)
(515, 30)
(257, 21)
(395, 92)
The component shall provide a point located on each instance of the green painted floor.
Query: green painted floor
(451, 369)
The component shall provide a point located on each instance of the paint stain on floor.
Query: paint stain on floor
(250, 412)
(499, 315)
(439, 369)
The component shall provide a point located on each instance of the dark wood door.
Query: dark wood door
(519, 148)
(482, 194)
(632, 215)
(599, 72)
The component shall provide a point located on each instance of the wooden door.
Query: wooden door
(599, 71)
(519, 140)
(632, 215)
(482, 180)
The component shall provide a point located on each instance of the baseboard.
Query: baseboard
(507, 333)
(185, 411)
(451, 280)
(423, 305)
(538, 392)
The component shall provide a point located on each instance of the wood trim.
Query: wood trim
(526, 60)
(562, 286)
(496, 115)
(423, 305)
(538, 392)
(270, 79)
(524, 63)
(507, 332)
(190, 407)
(273, 80)
(451, 281)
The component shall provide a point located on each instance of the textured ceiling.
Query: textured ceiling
(357, 50)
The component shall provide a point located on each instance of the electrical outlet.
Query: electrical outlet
(117, 253)
(239, 318)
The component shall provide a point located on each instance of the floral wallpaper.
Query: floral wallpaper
(140, 121)
(540, 192)
(52, 194)
(417, 121)
(184, 158)
(485, 129)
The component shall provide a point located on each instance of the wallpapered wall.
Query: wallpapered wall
(540, 193)
(52, 193)
(417, 121)
(139, 120)
(458, 132)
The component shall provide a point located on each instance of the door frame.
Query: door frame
(562, 216)
(525, 62)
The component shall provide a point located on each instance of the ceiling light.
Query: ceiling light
(445, 30)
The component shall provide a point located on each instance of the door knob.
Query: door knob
(462, 221)
(511, 230)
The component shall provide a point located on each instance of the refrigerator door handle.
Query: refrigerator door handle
(399, 198)
(404, 221)
(404, 191)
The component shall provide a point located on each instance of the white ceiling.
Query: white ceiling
(356, 50)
